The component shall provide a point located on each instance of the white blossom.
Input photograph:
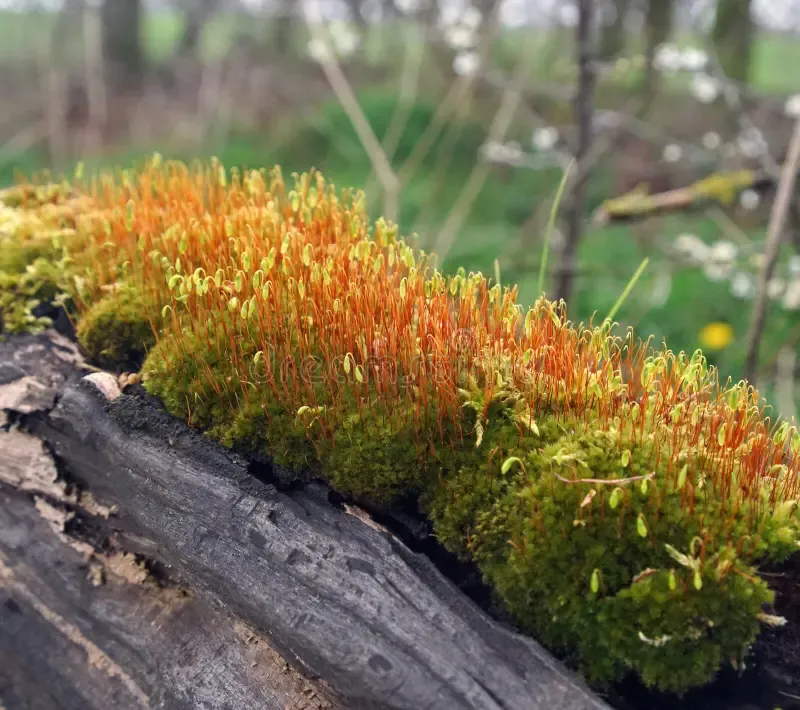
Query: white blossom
(345, 40)
(319, 50)
(408, 7)
(459, 37)
(775, 288)
(449, 14)
(568, 14)
(792, 107)
(723, 252)
(794, 265)
(466, 63)
(721, 258)
(743, 285)
(471, 18)
(749, 200)
(667, 58)
(672, 153)
(729, 151)
(711, 140)
(545, 139)
(693, 59)
(704, 88)
(751, 143)
(691, 248)
(791, 297)
(494, 151)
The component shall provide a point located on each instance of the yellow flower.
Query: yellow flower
(716, 336)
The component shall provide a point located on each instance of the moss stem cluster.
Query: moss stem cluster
(617, 497)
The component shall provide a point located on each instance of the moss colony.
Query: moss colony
(616, 497)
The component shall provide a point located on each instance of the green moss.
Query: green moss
(472, 478)
(199, 384)
(118, 330)
(374, 458)
(271, 430)
(23, 295)
(549, 456)
(30, 196)
(600, 579)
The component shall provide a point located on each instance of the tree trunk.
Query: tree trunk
(196, 18)
(584, 110)
(285, 26)
(612, 41)
(122, 42)
(733, 35)
(658, 27)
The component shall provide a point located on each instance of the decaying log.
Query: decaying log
(114, 639)
(345, 601)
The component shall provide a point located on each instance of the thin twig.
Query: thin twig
(777, 224)
(584, 114)
(605, 480)
(349, 102)
(458, 96)
(409, 89)
(509, 102)
(94, 76)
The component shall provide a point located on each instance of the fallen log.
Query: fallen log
(76, 641)
(337, 595)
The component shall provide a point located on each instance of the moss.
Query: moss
(119, 329)
(273, 431)
(372, 457)
(31, 287)
(33, 271)
(616, 498)
(616, 584)
(31, 196)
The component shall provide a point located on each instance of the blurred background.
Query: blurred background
(459, 118)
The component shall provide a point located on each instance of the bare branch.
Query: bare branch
(509, 102)
(777, 224)
(584, 113)
(347, 98)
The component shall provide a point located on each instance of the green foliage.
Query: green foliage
(32, 266)
(119, 329)
(371, 458)
(23, 296)
(616, 575)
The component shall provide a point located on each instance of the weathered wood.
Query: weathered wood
(345, 600)
(69, 642)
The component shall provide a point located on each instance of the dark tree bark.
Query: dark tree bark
(122, 41)
(285, 23)
(195, 20)
(658, 28)
(79, 635)
(612, 41)
(733, 36)
(576, 189)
